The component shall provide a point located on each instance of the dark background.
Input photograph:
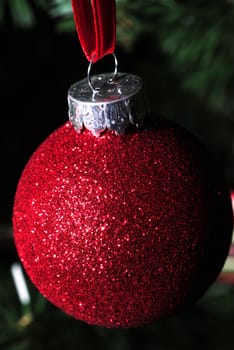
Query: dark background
(36, 68)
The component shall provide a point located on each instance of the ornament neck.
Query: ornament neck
(115, 104)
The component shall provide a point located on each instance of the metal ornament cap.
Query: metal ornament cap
(113, 104)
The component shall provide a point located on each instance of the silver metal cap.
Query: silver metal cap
(113, 104)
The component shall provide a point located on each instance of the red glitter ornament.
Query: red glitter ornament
(120, 231)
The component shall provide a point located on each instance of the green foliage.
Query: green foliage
(21, 12)
(24, 13)
(196, 37)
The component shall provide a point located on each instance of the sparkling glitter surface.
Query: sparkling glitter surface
(121, 231)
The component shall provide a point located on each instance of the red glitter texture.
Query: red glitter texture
(120, 231)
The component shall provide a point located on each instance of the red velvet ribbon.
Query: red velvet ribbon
(95, 22)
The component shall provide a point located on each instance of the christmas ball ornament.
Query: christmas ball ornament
(116, 226)
(120, 230)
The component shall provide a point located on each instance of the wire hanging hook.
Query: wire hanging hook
(111, 80)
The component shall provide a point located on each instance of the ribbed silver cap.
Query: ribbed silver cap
(114, 104)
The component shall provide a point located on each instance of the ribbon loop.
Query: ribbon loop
(95, 22)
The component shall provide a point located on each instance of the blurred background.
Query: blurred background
(184, 50)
